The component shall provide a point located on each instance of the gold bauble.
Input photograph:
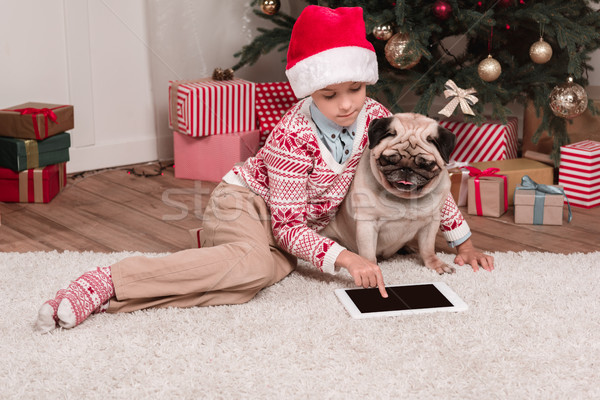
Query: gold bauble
(270, 7)
(489, 69)
(540, 52)
(568, 100)
(397, 54)
(383, 32)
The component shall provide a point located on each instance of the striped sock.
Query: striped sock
(88, 294)
(47, 319)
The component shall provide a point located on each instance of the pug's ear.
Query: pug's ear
(378, 129)
(444, 142)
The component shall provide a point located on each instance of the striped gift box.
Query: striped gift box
(207, 107)
(579, 173)
(492, 141)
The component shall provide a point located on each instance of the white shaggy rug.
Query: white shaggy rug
(532, 331)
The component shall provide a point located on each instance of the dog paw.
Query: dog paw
(441, 267)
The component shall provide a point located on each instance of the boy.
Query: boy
(269, 211)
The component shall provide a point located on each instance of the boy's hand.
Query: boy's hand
(468, 254)
(364, 272)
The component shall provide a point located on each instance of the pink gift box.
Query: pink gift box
(579, 173)
(206, 107)
(210, 158)
(492, 141)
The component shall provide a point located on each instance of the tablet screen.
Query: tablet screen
(409, 297)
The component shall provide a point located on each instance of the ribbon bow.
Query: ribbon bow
(34, 112)
(458, 96)
(492, 172)
(538, 211)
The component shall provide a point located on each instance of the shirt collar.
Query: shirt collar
(329, 130)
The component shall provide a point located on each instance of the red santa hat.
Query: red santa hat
(329, 46)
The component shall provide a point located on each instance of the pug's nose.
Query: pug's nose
(389, 160)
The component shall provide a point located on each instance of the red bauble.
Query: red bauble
(506, 3)
(442, 9)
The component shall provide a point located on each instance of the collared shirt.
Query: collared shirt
(338, 139)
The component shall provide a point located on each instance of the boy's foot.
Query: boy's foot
(87, 295)
(47, 319)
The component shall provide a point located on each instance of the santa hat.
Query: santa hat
(329, 46)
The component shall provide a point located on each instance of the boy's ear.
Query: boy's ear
(378, 129)
(444, 142)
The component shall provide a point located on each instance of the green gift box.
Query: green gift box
(22, 154)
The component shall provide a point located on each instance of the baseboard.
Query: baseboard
(116, 154)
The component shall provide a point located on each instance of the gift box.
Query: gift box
(22, 154)
(489, 142)
(537, 204)
(207, 107)
(459, 178)
(487, 193)
(36, 120)
(37, 185)
(579, 173)
(196, 238)
(210, 158)
(273, 99)
(515, 169)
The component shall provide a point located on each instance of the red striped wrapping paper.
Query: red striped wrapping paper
(273, 99)
(35, 185)
(579, 173)
(206, 107)
(492, 141)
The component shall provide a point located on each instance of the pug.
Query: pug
(399, 189)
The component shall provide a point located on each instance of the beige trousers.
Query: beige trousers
(238, 258)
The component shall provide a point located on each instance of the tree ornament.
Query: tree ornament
(540, 52)
(397, 54)
(489, 69)
(568, 100)
(383, 32)
(442, 9)
(270, 7)
(465, 97)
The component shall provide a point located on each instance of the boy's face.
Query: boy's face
(341, 102)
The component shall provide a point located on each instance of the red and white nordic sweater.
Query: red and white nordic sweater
(303, 185)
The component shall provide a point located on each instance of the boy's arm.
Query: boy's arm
(457, 233)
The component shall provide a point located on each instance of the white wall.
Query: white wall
(112, 59)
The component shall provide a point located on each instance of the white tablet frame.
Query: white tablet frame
(457, 303)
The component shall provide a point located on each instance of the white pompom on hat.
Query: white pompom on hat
(329, 46)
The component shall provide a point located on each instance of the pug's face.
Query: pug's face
(408, 153)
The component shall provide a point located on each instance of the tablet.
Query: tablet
(402, 300)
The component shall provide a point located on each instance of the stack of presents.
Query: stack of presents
(34, 150)
(219, 123)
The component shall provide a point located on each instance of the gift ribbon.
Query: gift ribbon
(490, 172)
(464, 97)
(34, 112)
(36, 176)
(540, 197)
(32, 153)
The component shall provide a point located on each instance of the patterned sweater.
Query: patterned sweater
(303, 185)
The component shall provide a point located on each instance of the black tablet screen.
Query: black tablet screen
(399, 298)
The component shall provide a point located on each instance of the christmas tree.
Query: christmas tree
(506, 50)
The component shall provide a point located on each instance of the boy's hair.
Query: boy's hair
(329, 46)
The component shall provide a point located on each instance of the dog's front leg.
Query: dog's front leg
(426, 240)
(366, 239)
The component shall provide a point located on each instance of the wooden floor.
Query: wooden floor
(113, 210)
